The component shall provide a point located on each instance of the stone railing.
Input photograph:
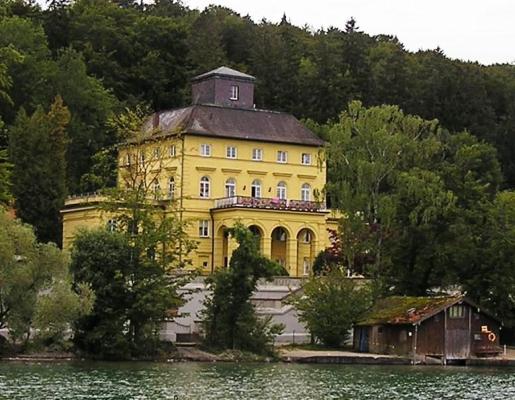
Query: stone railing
(269, 203)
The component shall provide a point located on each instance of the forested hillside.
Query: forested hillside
(94, 58)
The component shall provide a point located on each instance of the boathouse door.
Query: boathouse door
(363, 339)
(457, 333)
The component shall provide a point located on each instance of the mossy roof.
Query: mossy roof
(400, 310)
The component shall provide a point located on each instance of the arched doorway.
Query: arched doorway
(280, 246)
(306, 246)
(258, 232)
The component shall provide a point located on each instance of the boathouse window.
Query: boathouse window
(457, 311)
(205, 150)
(235, 92)
(257, 154)
(204, 187)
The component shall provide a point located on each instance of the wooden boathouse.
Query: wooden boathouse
(448, 329)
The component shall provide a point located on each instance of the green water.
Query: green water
(250, 381)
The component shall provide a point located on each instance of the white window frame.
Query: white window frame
(230, 187)
(203, 228)
(257, 154)
(111, 225)
(281, 190)
(205, 150)
(305, 159)
(156, 189)
(171, 187)
(255, 189)
(156, 153)
(235, 92)
(173, 151)
(282, 156)
(205, 187)
(305, 192)
(231, 152)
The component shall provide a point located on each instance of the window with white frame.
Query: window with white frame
(142, 158)
(128, 159)
(305, 192)
(171, 187)
(255, 188)
(156, 188)
(231, 152)
(282, 156)
(111, 225)
(156, 152)
(203, 228)
(257, 154)
(281, 190)
(173, 150)
(205, 150)
(306, 266)
(230, 187)
(205, 186)
(235, 92)
(306, 159)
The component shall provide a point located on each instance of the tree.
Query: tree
(37, 149)
(229, 317)
(35, 286)
(137, 289)
(330, 304)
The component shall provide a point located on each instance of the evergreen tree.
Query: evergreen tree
(37, 149)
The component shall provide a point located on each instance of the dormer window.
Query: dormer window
(235, 92)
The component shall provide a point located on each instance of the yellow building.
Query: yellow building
(222, 160)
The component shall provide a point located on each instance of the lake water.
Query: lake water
(250, 381)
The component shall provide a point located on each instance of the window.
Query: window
(204, 187)
(205, 150)
(307, 236)
(111, 225)
(306, 266)
(142, 158)
(128, 160)
(156, 189)
(235, 92)
(281, 190)
(231, 152)
(230, 188)
(156, 153)
(306, 159)
(305, 192)
(203, 228)
(255, 189)
(173, 150)
(257, 154)
(171, 187)
(457, 311)
(282, 156)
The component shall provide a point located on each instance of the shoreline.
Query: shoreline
(295, 356)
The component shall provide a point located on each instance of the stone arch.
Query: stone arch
(259, 232)
(280, 236)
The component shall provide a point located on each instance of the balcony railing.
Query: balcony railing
(273, 204)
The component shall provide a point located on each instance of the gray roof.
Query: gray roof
(224, 71)
(230, 122)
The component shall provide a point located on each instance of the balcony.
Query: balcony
(270, 204)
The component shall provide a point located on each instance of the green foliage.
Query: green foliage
(414, 197)
(330, 304)
(135, 271)
(35, 286)
(229, 318)
(37, 149)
